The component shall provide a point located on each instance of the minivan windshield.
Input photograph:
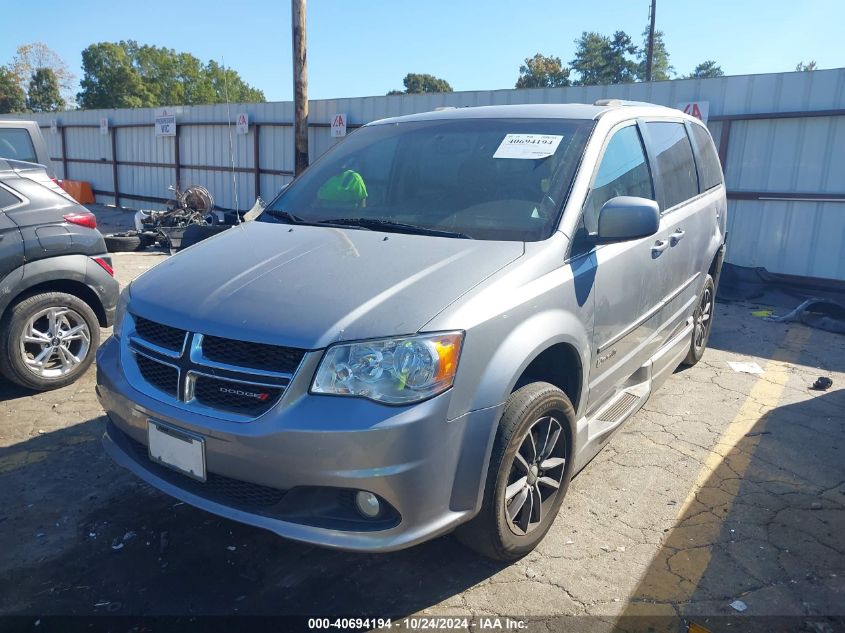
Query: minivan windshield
(488, 179)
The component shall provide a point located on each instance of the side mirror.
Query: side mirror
(626, 218)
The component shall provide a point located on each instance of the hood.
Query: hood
(308, 287)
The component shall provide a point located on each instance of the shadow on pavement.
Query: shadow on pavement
(132, 550)
(764, 528)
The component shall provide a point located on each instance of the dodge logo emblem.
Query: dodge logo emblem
(247, 394)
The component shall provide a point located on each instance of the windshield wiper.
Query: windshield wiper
(285, 216)
(378, 224)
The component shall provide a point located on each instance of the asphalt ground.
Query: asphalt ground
(725, 487)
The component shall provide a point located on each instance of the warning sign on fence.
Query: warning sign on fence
(243, 123)
(339, 125)
(165, 122)
(698, 109)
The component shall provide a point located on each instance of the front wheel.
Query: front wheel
(48, 340)
(702, 319)
(529, 473)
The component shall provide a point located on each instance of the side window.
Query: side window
(623, 171)
(673, 154)
(15, 143)
(7, 199)
(709, 168)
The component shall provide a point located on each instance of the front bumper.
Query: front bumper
(430, 470)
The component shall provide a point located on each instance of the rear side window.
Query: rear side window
(7, 199)
(706, 159)
(673, 154)
(15, 143)
(623, 171)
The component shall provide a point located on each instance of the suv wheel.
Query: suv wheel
(702, 319)
(48, 340)
(529, 474)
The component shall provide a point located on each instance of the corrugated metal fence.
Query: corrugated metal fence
(781, 138)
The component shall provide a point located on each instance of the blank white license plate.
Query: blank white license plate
(177, 449)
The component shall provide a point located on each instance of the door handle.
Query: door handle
(659, 247)
(677, 236)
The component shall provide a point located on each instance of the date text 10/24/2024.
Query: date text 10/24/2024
(420, 623)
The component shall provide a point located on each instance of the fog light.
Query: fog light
(368, 504)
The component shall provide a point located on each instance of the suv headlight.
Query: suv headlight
(120, 312)
(397, 370)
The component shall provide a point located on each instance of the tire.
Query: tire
(491, 532)
(124, 242)
(33, 315)
(702, 323)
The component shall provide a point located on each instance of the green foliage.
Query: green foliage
(661, 69)
(542, 72)
(706, 70)
(44, 94)
(808, 67)
(416, 83)
(239, 90)
(111, 80)
(129, 75)
(12, 98)
(600, 59)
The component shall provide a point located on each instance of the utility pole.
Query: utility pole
(649, 60)
(300, 87)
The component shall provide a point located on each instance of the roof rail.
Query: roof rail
(622, 102)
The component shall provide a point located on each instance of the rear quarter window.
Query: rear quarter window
(706, 159)
(7, 199)
(673, 155)
(15, 143)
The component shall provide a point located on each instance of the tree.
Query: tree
(239, 91)
(661, 69)
(808, 67)
(604, 60)
(130, 75)
(542, 72)
(110, 80)
(12, 98)
(30, 57)
(416, 83)
(43, 94)
(706, 70)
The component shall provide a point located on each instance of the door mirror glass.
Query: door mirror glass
(626, 218)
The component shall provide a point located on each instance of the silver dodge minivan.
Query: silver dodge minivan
(433, 328)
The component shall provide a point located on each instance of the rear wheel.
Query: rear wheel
(48, 340)
(529, 474)
(702, 319)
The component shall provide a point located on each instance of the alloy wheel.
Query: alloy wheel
(535, 475)
(702, 318)
(54, 342)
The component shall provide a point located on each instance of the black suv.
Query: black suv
(57, 285)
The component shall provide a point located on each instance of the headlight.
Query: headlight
(393, 370)
(120, 311)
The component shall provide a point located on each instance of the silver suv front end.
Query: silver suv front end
(279, 457)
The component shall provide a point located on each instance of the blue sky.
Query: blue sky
(365, 47)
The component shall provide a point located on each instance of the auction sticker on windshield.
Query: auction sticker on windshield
(528, 146)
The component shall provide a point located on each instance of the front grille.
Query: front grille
(163, 377)
(252, 355)
(228, 378)
(227, 395)
(162, 335)
(226, 490)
